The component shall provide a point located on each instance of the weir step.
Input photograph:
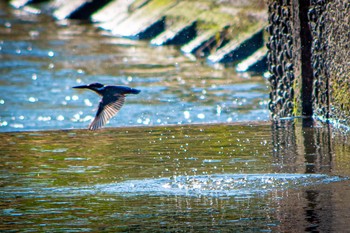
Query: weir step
(221, 33)
(239, 48)
(78, 9)
(144, 23)
(256, 62)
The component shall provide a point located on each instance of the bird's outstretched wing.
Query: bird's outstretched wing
(107, 108)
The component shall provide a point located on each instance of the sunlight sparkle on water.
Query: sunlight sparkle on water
(87, 102)
(201, 116)
(32, 99)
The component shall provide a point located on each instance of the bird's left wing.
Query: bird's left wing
(107, 108)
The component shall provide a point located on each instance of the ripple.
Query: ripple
(221, 185)
(240, 185)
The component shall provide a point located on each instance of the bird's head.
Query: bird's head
(93, 86)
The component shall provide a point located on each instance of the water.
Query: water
(216, 177)
(41, 60)
(159, 166)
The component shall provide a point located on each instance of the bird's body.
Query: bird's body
(113, 98)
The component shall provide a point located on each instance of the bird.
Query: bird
(113, 98)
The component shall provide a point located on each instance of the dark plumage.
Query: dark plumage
(113, 98)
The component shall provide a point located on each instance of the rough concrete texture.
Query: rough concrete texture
(309, 57)
(280, 58)
(337, 32)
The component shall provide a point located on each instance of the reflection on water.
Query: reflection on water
(251, 177)
(41, 60)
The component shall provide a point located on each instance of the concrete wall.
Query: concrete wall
(309, 59)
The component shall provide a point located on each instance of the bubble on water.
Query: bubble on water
(146, 121)
(218, 110)
(87, 118)
(4, 123)
(201, 116)
(187, 114)
(75, 97)
(32, 99)
(34, 76)
(87, 102)
(17, 126)
(2, 101)
(44, 118)
(34, 33)
(8, 25)
(51, 54)
(60, 118)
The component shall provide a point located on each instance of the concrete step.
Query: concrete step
(144, 23)
(176, 34)
(202, 44)
(240, 47)
(222, 32)
(77, 9)
(114, 9)
(257, 62)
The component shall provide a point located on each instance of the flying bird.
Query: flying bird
(113, 98)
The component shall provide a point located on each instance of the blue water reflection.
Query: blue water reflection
(41, 61)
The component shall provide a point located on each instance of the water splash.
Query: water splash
(237, 185)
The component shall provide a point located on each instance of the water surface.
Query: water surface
(42, 59)
(159, 166)
(219, 177)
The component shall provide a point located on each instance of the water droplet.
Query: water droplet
(44, 118)
(218, 110)
(2, 101)
(87, 102)
(51, 54)
(4, 123)
(8, 24)
(21, 126)
(187, 114)
(32, 99)
(201, 116)
(75, 97)
(60, 118)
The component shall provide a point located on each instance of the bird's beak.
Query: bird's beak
(82, 86)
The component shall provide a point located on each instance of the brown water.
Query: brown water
(251, 177)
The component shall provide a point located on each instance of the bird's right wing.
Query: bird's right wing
(106, 110)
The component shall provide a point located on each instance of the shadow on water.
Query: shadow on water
(218, 177)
